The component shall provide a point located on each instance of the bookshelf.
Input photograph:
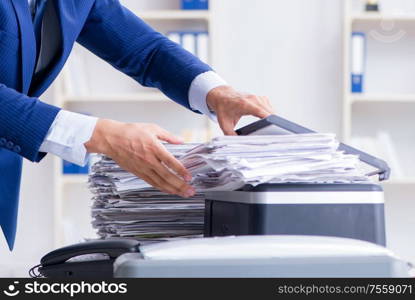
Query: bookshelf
(403, 181)
(387, 105)
(127, 102)
(391, 101)
(382, 17)
(174, 15)
(374, 98)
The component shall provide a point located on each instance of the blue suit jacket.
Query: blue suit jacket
(104, 27)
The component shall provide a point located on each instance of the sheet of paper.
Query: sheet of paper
(231, 162)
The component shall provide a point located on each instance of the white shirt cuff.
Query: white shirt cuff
(200, 87)
(67, 135)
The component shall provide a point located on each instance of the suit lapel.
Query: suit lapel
(28, 42)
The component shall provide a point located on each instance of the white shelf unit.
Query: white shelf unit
(174, 15)
(359, 109)
(387, 104)
(395, 98)
(404, 181)
(69, 205)
(374, 16)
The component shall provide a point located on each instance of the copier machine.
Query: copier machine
(343, 210)
(271, 230)
(282, 230)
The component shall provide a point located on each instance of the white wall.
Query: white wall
(287, 50)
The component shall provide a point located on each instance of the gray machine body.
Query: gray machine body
(262, 257)
(317, 230)
(332, 209)
(343, 210)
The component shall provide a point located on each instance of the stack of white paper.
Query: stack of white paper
(230, 162)
(126, 206)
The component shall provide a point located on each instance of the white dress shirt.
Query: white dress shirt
(70, 131)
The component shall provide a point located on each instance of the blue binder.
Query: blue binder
(358, 61)
(195, 4)
(71, 168)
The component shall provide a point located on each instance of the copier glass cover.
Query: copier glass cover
(342, 210)
(262, 256)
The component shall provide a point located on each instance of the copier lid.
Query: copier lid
(273, 125)
(261, 247)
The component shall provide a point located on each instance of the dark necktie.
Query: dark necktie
(38, 10)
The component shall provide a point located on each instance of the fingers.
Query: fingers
(258, 111)
(150, 179)
(170, 183)
(227, 125)
(141, 153)
(170, 161)
(153, 177)
(267, 104)
(157, 175)
(230, 114)
(259, 107)
(165, 178)
(166, 136)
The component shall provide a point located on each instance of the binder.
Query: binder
(358, 61)
(202, 41)
(202, 4)
(196, 42)
(188, 4)
(195, 4)
(71, 168)
(189, 42)
(175, 37)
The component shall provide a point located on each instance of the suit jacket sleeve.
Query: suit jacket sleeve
(122, 39)
(24, 123)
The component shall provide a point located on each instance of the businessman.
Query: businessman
(36, 38)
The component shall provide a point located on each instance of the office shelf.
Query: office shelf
(382, 17)
(133, 97)
(388, 98)
(174, 15)
(354, 123)
(400, 181)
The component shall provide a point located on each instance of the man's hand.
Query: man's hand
(230, 105)
(137, 148)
